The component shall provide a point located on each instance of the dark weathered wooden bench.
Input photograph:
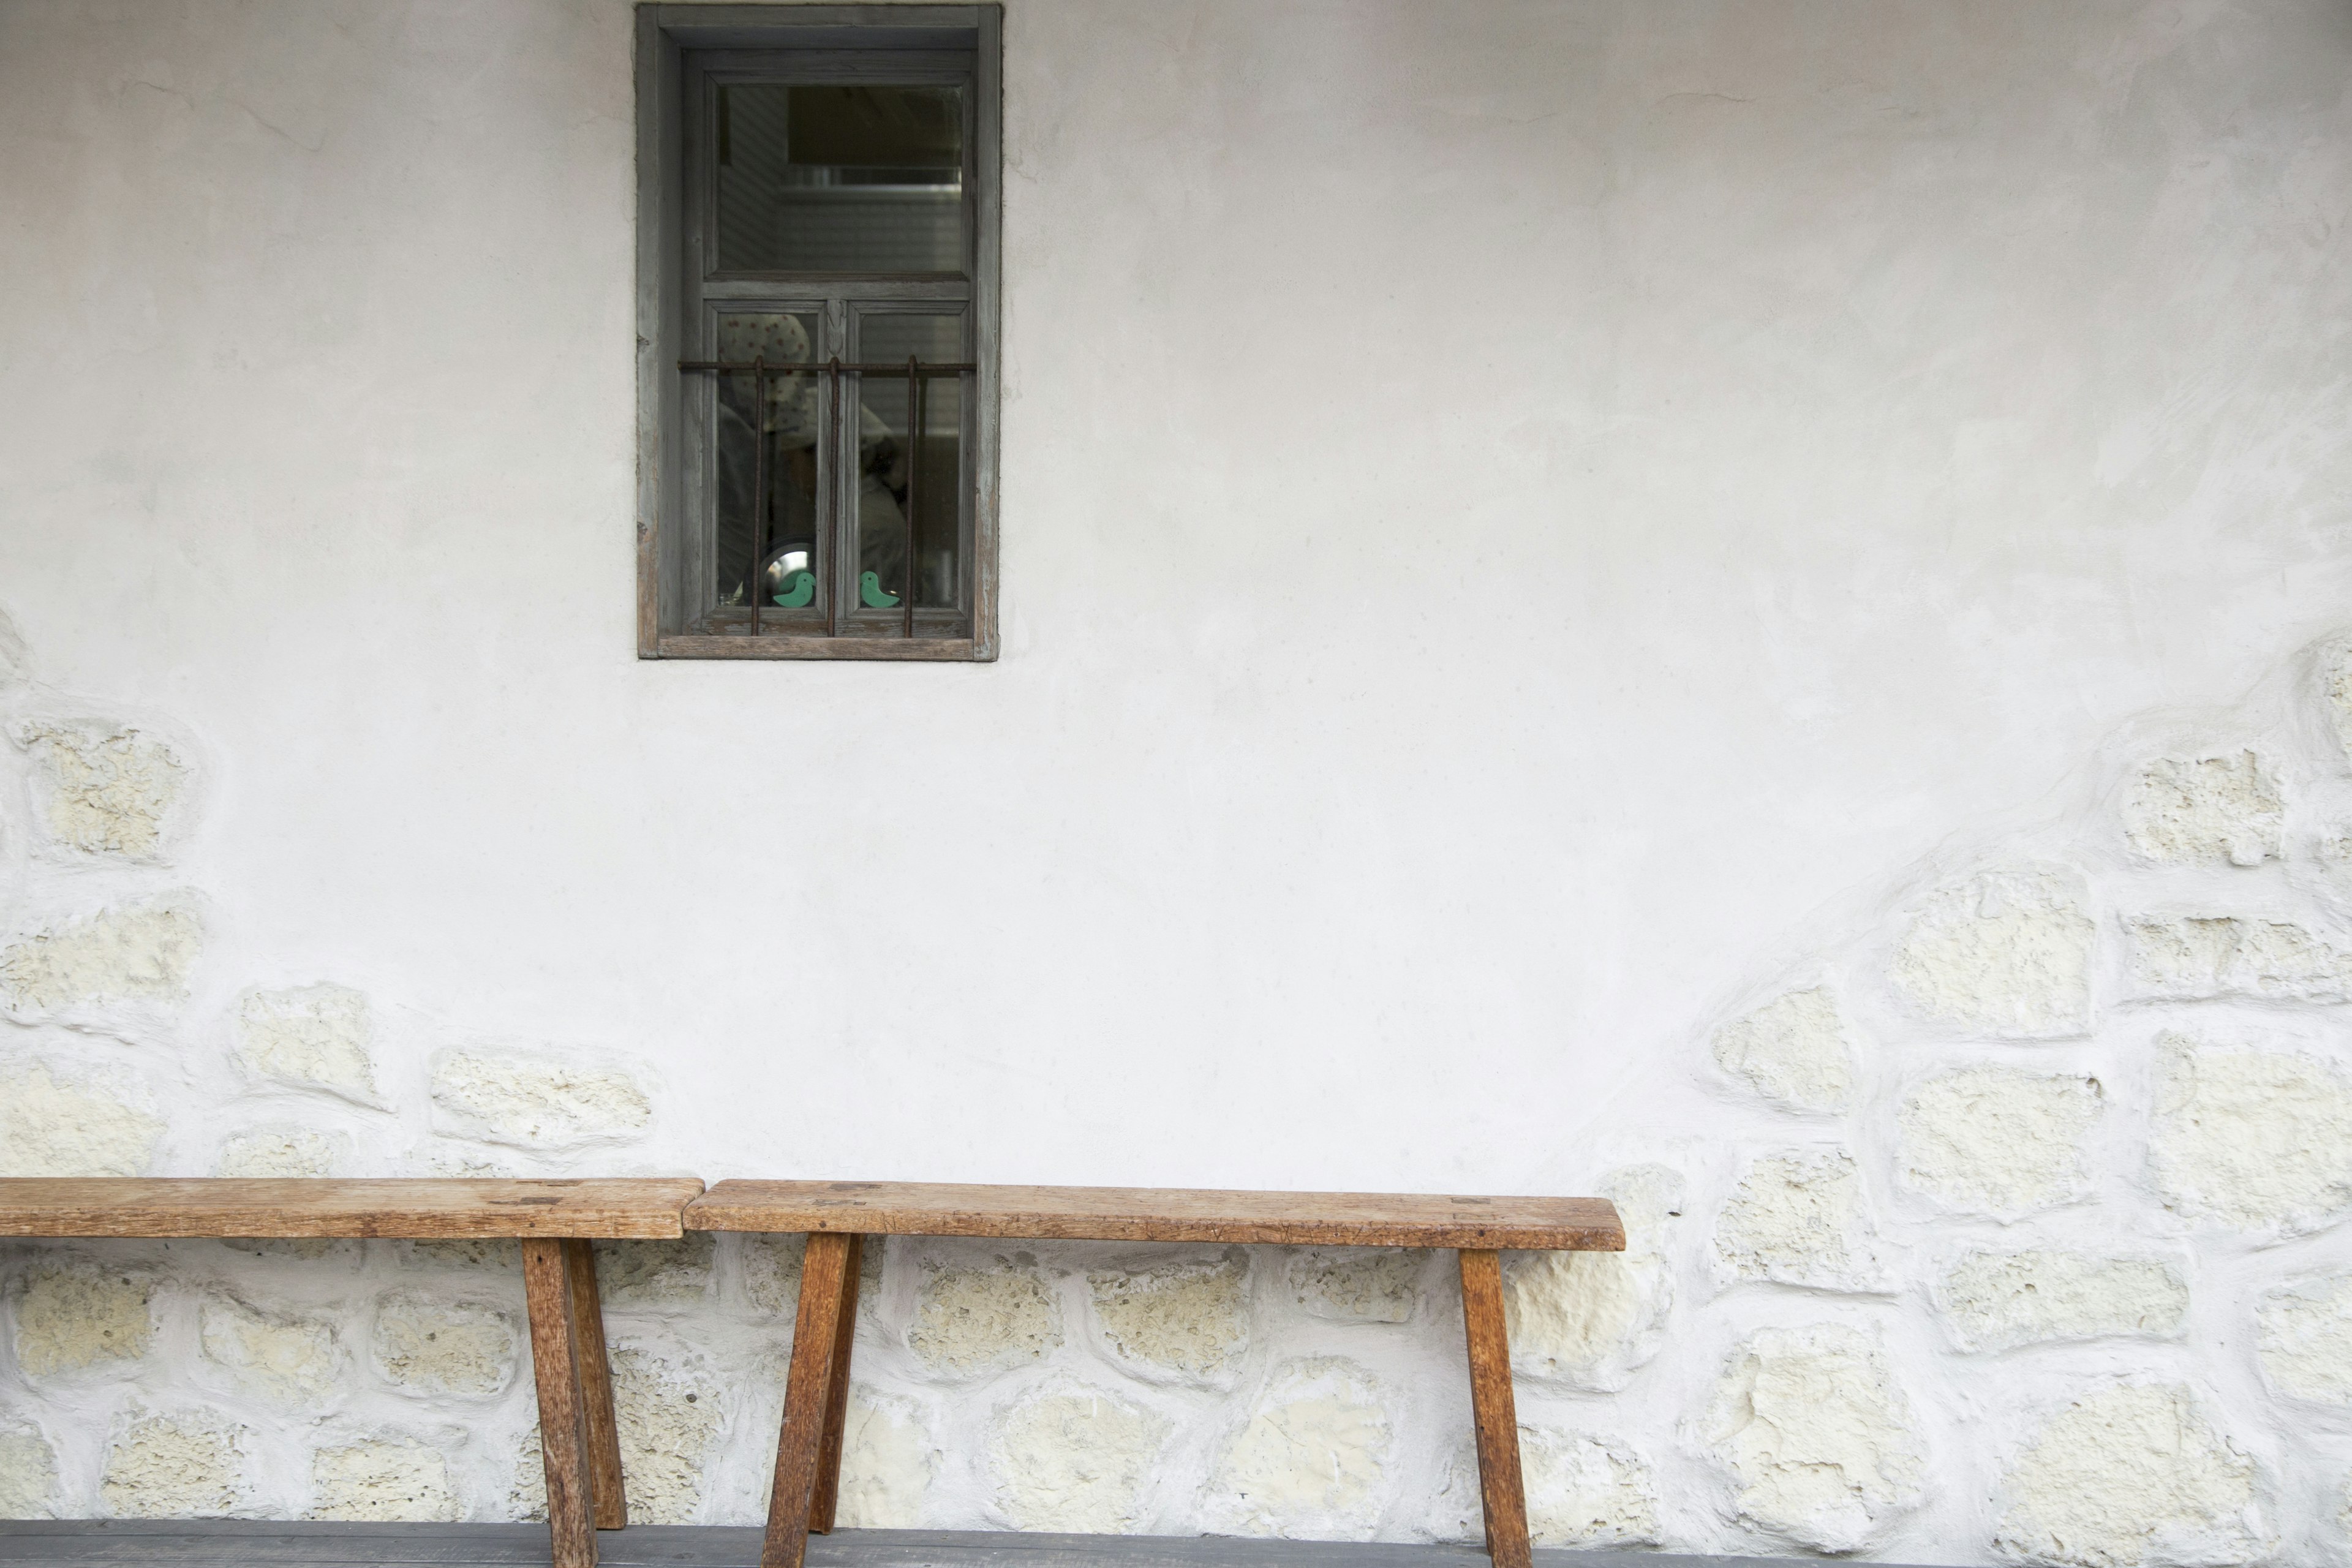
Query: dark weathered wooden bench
(836, 1215)
(554, 1220)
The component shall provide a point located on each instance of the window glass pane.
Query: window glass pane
(778, 543)
(892, 467)
(840, 179)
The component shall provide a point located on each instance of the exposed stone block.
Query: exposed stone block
(1586, 1492)
(1312, 1459)
(292, 1359)
(2306, 1339)
(313, 1036)
(2130, 1473)
(1997, 1301)
(500, 1254)
(1798, 1219)
(971, 1321)
(1818, 1436)
(1077, 1460)
(169, 1467)
(1998, 1141)
(1358, 1284)
(280, 1152)
(382, 1478)
(2191, 957)
(431, 1346)
(28, 1474)
(2005, 954)
(2255, 1140)
(1190, 1319)
(75, 1316)
(655, 1273)
(669, 1415)
(107, 789)
(2335, 689)
(771, 1271)
(1794, 1049)
(1588, 1320)
(2190, 811)
(888, 1459)
(52, 1129)
(132, 953)
(538, 1102)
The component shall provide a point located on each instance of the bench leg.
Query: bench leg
(563, 1423)
(1495, 1414)
(820, 1357)
(837, 1403)
(611, 1502)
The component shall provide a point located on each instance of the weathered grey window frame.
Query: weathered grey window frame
(666, 587)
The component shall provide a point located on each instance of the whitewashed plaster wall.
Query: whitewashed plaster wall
(1723, 602)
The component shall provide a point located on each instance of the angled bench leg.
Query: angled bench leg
(1493, 1411)
(563, 1419)
(611, 1503)
(812, 1411)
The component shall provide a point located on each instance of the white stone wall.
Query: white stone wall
(1786, 717)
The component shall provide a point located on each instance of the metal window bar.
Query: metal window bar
(918, 375)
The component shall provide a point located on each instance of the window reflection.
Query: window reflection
(840, 179)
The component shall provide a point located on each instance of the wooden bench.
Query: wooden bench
(554, 1220)
(836, 1215)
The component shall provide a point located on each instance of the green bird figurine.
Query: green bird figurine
(799, 590)
(869, 588)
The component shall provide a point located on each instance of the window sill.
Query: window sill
(903, 650)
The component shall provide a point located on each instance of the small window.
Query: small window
(817, 245)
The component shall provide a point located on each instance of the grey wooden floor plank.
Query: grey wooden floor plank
(270, 1544)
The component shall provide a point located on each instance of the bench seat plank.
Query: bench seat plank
(1147, 1213)
(426, 1208)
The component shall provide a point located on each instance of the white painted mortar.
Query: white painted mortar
(1705, 478)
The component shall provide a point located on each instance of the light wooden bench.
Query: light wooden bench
(837, 1214)
(554, 1220)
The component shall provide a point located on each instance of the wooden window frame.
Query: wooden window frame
(668, 587)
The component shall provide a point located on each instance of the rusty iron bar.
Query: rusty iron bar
(914, 466)
(755, 582)
(830, 463)
(831, 367)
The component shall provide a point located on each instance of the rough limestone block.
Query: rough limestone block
(1311, 1460)
(1798, 1219)
(527, 1491)
(434, 1347)
(1586, 1492)
(972, 1322)
(50, 1129)
(313, 1036)
(290, 1359)
(1076, 1459)
(106, 789)
(1998, 1141)
(28, 1474)
(2335, 689)
(1794, 1049)
(73, 1317)
(470, 1254)
(2258, 1141)
(1188, 1318)
(2128, 1474)
(281, 1151)
(1998, 1301)
(669, 1416)
(2306, 1339)
(1588, 1320)
(382, 1478)
(2005, 954)
(1818, 1437)
(655, 1273)
(172, 1467)
(889, 1460)
(1358, 1284)
(537, 1101)
(133, 953)
(2192, 957)
(771, 1271)
(2193, 810)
